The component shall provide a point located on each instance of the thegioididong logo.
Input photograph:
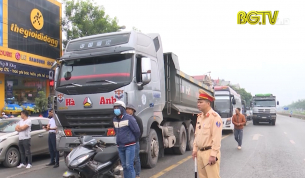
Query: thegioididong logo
(254, 17)
(37, 21)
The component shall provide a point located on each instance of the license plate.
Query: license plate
(264, 117)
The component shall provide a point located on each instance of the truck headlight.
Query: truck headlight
(228, 121)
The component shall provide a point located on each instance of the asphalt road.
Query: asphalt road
(267, 152)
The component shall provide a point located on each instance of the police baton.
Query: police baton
(195, 167)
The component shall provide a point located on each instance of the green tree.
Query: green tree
(244, 94)
(41, 102)
(83, 18)
(300, 104)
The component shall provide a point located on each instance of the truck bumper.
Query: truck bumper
(67, 144)
(263, 117)
(227, 125)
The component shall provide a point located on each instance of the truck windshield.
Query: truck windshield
(264, 103)
(222, 104)
(103, 69)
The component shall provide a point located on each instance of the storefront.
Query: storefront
(30, 41)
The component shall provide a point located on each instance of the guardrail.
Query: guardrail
(300, 116)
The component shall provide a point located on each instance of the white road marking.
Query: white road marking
(291, 141)
(256, 136)
(34, 168)
(177, 164)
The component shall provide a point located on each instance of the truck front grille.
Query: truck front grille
(264, 110)
(92, 121)
(87, 122)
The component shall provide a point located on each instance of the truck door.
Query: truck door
(144, 97)
(156, 86)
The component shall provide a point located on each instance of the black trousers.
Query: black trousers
(52, 148)
(25, 150)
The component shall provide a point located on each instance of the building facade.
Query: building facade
(30, 41)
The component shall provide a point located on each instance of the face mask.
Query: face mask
(117, 112)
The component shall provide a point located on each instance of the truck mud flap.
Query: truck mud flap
(143, 145)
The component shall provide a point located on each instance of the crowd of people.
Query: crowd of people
(129, 130)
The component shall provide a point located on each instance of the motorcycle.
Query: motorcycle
(93, 159)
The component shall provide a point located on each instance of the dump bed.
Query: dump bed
(181, 89)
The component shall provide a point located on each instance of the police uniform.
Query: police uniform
(207, 141)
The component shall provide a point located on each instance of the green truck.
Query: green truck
(264, 108)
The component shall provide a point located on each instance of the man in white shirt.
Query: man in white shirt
(52, 141)
(24, 129)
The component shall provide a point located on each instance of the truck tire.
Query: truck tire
(273, 122)
(190, 138)
(150, 159)
(12, 157)
(183, 142)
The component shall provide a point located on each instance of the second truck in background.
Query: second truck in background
(264, 108)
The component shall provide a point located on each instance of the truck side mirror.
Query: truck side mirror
(67, 75)
(146, 70)
(54, 65)
(277, 102)
(233, 101)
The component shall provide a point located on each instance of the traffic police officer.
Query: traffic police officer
(208, 135)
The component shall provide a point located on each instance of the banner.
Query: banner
(9, 89)
(23, 70)
(34, 27)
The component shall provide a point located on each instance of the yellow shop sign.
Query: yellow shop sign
(37, 22)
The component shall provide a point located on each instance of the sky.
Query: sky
(206, 37)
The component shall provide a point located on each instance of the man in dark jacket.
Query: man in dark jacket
(127, 133)
(130, 109)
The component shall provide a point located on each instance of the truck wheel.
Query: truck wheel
(12, 157)
(183, 142)
(190, 138)
(273, 122)
(150, 159)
